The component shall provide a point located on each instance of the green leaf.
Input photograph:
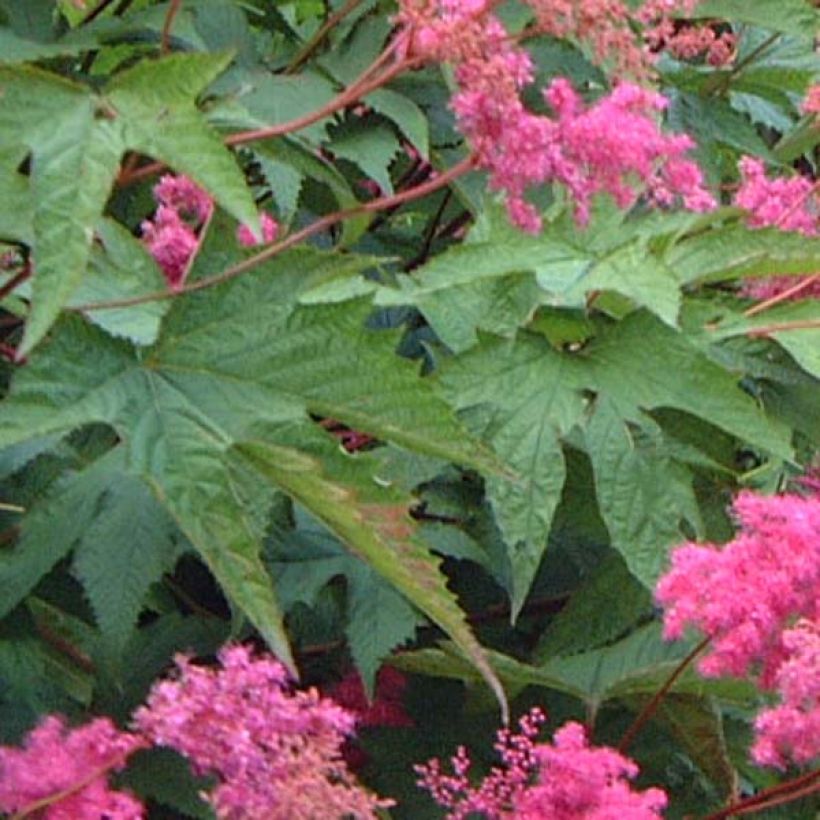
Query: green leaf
(51, 529)
(120, 268)
(304, 162)
(488, 284)
(802, 343)
(77, 138)
(378, 618)
(127, 546)
(234, 362)
(696, 724)
(643, 494)
(713, 122)
(788, 16)
(370, 145)
(166, 777)
(17, 207)
(375, 525)
(524, 397)
(530, 403)
(274, 99)
(604, 606)
(17, 49)
(633, 271)
(75, 155)
(156, 99)
(638, 665)
(407, 116)
(734, 251)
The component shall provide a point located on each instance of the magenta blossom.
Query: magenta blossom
(173, 235)
(563, 780)
(65, 771)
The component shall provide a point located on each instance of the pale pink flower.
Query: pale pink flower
(270, 230)
(57, 760)
(746, 593)
(275, 751)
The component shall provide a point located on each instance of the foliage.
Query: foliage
(369, 420)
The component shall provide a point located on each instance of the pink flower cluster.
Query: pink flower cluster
(275, 751)
(746, 597)
(791, 730)
(789, 204)
(564, 780)
(452, 30)
(172, 235)
(606, 26)
(614, 146)
(65, 771)
(691, 42)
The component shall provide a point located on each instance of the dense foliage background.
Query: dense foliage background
(406, 432)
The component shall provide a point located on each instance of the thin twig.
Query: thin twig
(311, 45)
(782, 296)
(96, 12)
(430, 233)
(780, 327)
(362, 86)
(723, 80)
(797, 787)
(165, 37)
(293, 239)
(655, 702)
(14, 282)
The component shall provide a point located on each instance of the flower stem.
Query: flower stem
(165, 37)
(652, 706)
(311, 45)
(780, 327)
(776, 795)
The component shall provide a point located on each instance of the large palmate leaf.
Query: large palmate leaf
(216, 416)
(76, 139)
(524, 397)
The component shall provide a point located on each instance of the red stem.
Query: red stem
(779, 327)
(15, 282)
(783, 296)
(165, 37)
(652, 706)
(362, 86)
(776, 795)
